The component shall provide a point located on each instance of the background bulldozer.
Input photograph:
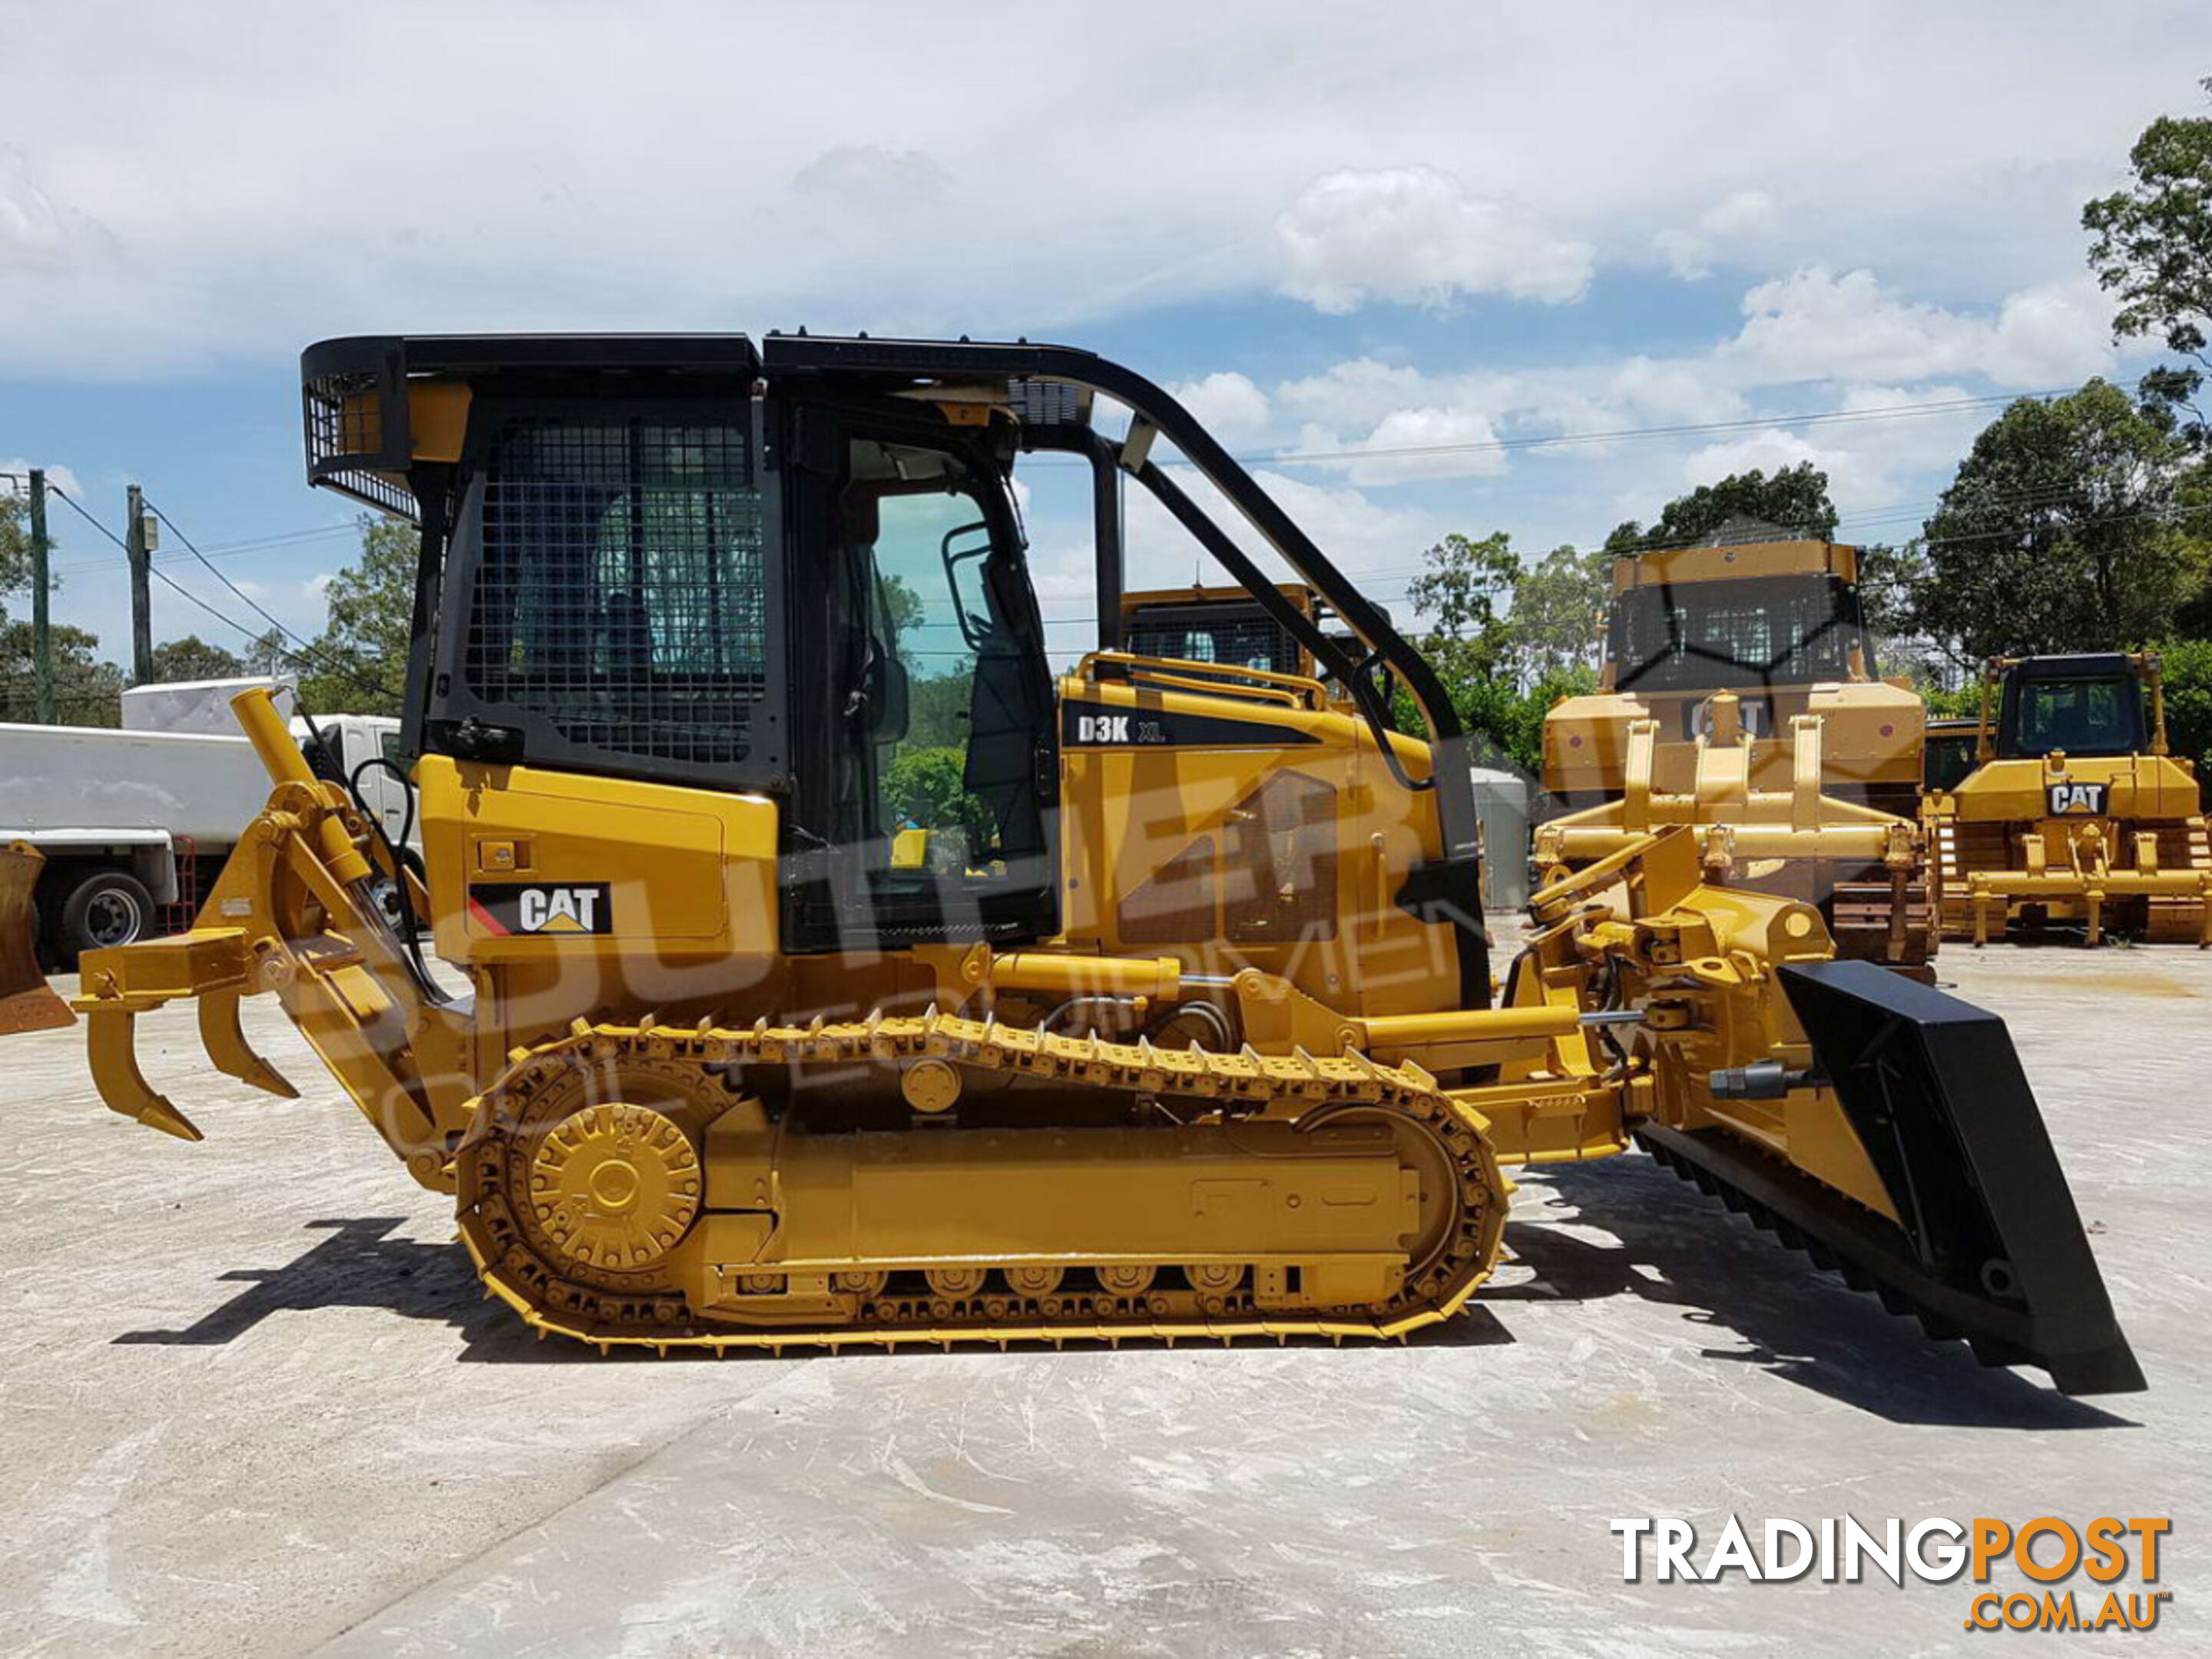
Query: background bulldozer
(2074, 811)
(1221, 626)
(1738, 698)
(1197, 1038)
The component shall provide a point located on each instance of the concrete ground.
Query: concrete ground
(251, 1402)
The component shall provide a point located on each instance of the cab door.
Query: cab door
(923, 726)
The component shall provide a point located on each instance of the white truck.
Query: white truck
(134, 819)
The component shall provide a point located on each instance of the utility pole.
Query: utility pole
(142, 596)
(42, 634)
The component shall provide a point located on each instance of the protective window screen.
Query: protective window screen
(621, 593)
(1709, 636)
(1253, 641)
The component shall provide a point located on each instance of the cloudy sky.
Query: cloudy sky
(1410, 237)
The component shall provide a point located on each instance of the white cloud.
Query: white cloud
(57, 475)
(1868, 463)
(1357, 534)
(185, 216)
(1356, 392)
(1365, 405)
(1744, 213)
(872, 179)
(1414, 236)
(2050, 335)
(1815, 324)
(1768, 451)
(1654, 393)
(1742, 220)
(1430, 429)
(1227, 404)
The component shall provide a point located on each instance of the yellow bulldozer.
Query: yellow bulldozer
(2074, 811)
(1199, 1037)
(1738, 699)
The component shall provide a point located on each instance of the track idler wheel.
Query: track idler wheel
(614, 1188)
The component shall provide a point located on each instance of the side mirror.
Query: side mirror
(889, 699)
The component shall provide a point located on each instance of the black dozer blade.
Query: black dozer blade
(1991, 1248)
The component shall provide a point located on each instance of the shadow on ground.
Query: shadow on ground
(1786, 1316)
(1748, 1301)
(359, 1265)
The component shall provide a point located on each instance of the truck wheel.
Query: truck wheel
(108, 907)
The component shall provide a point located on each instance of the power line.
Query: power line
(344, 672)
(299, 537)
(1695, 428)
(1747, 424)
(297, 658)
(224, 580)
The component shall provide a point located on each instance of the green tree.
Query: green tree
(14, 548)
(2061, 532)
(2193, 514)
(903, 607)
(937, 710)
(928, 788)
(1467, 594)
(2189, 704)
(1559, 611)
(192, 657)
(1795, 500)
(87, 691)
(2151, 248)
(267, 652)
(1889, 583)
(359, 663)
(1505, 640)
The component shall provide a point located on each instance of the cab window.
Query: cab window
(2082, 717)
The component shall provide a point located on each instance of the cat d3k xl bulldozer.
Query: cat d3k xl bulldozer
(2074, 811)
(1184, 1026)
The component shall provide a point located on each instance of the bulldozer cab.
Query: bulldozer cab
(1227, 627)
(1738, 619)
(1949, 756)
(623, 594)
(797, 572)
(2081, 705)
